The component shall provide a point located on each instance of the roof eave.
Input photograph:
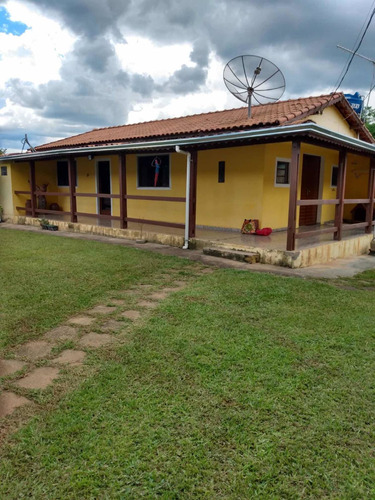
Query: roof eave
(288, 131)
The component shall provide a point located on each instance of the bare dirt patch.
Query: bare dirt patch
(10, 366)
(40, 378)
(10, 401)
(34, 350)
(70, 357)
(101, 309)
(81, 320)
(95, 340)
(62, 333)
(133, 315)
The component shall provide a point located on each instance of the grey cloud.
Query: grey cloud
(299, 36)
(86, 17)
(200, 53)
(94, 54)
(186, 79)
(24, 94)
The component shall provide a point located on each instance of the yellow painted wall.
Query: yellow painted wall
(155, 210)
(240, 196)
(6, 198)
(249, 189)
(356, 180)
(332, 119)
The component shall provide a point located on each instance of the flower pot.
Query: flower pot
(50, 227)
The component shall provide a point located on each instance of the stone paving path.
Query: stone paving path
(37, 365)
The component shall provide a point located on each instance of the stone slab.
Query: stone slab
(34, 350)
(70, 357)
(159, 295)
(169, 289)
(10, 366)
(118, 302)
(40, 378)
(10, 401)
(179, 283)
(238, 255)
(112, 326)
(148, 304)
(101, 309)
(95, 340)
(62, 333)
(81, 320)
(133, 315)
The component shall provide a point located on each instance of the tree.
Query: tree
(368, 117)
(2, 151)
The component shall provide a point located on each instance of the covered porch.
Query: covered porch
(181, 224)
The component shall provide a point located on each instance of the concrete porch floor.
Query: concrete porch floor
(275, 241)
(309, 251)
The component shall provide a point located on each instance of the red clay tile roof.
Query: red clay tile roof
(265, 115)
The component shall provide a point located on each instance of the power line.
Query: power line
(355, 51)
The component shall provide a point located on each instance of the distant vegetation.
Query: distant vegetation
(2, 151)
(369, 119)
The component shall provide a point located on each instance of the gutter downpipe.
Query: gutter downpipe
(187, 203)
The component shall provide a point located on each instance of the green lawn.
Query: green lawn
(241, 385)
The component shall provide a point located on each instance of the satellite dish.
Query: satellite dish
(254, 77)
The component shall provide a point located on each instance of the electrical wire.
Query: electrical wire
(354, 52)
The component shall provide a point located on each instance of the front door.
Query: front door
(309, 189)
(104, 186)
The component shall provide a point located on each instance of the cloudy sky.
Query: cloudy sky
(68, 66)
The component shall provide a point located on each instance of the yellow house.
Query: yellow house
(303, 166)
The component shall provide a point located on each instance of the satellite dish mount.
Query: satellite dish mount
(251, 77)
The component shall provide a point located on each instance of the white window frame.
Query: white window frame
(278, 184)
(160, 188)
(57, 177)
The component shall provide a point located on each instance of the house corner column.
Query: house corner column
(72, 189)
(123, 199)
(193, 193)
(291, 234)
(32, 187)
(341, 181)
(371, 193)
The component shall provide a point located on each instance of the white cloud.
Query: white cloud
(37, 54)
(140, 55)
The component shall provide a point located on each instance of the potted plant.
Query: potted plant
(47, 226)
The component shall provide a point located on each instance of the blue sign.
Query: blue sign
(356, 102)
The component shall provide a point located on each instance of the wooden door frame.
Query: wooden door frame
(320, 186)
(97, 160)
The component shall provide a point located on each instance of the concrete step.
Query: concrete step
(225, 253)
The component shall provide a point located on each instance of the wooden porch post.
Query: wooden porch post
(193, 193)
(123, 200)
(32, 187)
(371, 194)
(341, 181)
(72, 189)
(291, 235)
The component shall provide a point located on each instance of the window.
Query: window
(334, 174)
(282, 172)
(63, 173)
(153, 171)
(221, 171)
(4, 170)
